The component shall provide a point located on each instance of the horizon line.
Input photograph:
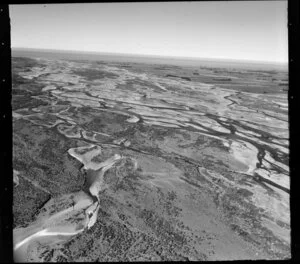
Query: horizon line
(153, 55)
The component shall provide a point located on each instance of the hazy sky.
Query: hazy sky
(251, 30)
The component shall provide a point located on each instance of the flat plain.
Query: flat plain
(129, 161)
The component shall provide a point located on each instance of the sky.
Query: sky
(238, 30)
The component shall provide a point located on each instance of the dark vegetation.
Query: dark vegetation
(175, 76)
(222, 79)
(27, 201)
(92, 74)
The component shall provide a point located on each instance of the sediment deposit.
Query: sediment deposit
(148, 163)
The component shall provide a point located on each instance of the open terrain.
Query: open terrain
(134, 161)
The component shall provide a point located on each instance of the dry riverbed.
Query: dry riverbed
(128, 162)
